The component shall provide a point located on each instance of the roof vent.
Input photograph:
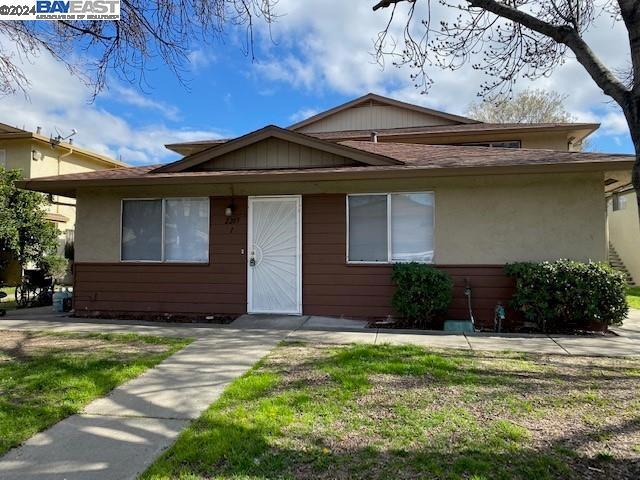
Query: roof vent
(38, 130)
(374, 137)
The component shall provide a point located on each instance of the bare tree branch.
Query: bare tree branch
(147, 29)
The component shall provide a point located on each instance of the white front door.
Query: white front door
(274, 280)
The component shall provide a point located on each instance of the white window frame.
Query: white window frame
(389, 260)
(162, 203)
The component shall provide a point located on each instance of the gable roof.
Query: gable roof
(413, 160)
(272, 131)
(372, 97)
(581, 130)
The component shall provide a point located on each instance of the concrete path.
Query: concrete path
(118, 436)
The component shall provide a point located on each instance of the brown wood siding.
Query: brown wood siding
(332, 287)
(218, 287)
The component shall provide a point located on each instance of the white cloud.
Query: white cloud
(124, 94)
(332, 41)
(60, 100)
(200, 58)
(302, 114)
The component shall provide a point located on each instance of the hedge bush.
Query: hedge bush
(423, 293)
(566, 295)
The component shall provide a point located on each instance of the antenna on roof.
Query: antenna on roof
(59, 138)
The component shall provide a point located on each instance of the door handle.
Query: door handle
(252, 262)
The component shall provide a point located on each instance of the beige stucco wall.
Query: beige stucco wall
(17, 155)
(479, 220)
(54, 161)
(624, 234)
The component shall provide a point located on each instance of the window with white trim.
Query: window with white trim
(165, 230)
(390, 227)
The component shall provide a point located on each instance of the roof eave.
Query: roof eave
(69, 187)
(272, 131)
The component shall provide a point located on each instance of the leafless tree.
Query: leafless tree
(510, 39)
(528, 106)
(166, 29)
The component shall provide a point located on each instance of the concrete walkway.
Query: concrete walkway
(118, 436)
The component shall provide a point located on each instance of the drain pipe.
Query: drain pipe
(467, 293)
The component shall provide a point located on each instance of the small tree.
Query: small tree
(529, 106)
(25, 233)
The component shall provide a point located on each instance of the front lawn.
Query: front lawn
(406, 412)
(633, 297)
(8, 302)
(47, 377)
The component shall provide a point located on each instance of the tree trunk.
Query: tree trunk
(633, 119)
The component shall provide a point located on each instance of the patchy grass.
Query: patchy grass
(9, 302)
(633, 297)
(45, 377)
(388, 412)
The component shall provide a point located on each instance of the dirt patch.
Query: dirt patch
(583, 411)
(22, 344)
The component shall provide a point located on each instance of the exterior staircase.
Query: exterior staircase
(616, 262)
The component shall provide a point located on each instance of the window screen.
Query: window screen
(412, 227)
(142, 230)
(409, 225)
(186, 229)
(368, 228)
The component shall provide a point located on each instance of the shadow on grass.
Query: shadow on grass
(40, 388)
(266, 426)
(226, 449)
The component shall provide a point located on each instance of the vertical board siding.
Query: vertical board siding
(373, 116)
(274, 153)
(218, 287)
(331, 287)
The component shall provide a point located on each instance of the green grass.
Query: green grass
(633, 297)
(386, 412)
(46, 377)
(9, 302)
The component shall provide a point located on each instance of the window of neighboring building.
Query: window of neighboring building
(169, 230)
(502, 144)
(3, 158)
(619, 202)
(390, 227)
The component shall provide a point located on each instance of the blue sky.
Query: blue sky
(321, 57)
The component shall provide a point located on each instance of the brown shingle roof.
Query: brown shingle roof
(447, 129)
(459, 156)
(428, 159)
(383, 133)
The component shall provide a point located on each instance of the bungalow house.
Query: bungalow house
(37, 155)
(310, 219)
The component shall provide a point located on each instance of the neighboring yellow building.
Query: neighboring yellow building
(39, 156)
(624, 231)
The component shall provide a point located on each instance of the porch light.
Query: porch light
(229, 210)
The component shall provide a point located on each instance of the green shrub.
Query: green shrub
(564, 294)
(423, 293)
(55, 266)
